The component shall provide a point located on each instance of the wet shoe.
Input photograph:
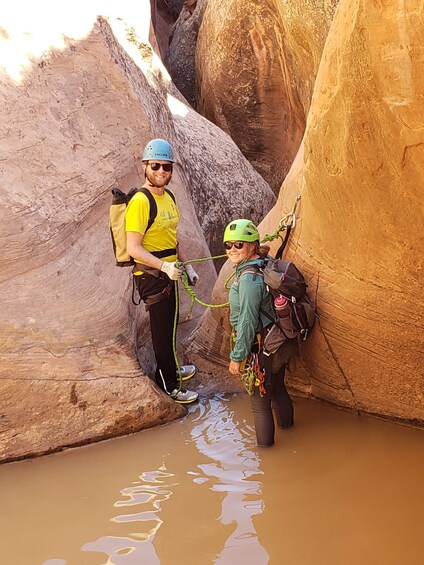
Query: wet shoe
(184, 396)
(187, 371)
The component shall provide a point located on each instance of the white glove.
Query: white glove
(192, 276)
(170, 269)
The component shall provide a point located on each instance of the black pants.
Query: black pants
(276, 399)
(162, 316)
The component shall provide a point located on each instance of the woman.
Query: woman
(251, 312)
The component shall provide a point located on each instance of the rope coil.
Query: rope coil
(252, 374)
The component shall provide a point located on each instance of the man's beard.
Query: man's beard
(152, 181)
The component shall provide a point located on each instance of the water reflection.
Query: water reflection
(138, 548)
(230, 445)
(336, 488)
(228, 465)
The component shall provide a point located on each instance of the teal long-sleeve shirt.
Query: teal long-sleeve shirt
(248, 295)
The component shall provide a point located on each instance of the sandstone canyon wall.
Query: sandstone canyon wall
(78, 107)
(180, 57)
(256, 82)
(359, 234)
(79, 102)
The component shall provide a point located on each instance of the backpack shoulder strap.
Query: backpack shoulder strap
(152, 203)
(255, 270)
(252, 271)
(171, 194)
(265, 313)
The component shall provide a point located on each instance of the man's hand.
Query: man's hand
(234, 368)
(170, 269)
(192, 276)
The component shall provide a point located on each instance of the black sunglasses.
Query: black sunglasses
(237, 244)
(167, 167)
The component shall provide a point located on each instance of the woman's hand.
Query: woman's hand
(234, 368)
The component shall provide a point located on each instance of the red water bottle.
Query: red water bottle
(282, 306)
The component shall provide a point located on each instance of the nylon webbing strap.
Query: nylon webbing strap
(152, 202)
(164, 252)
(279, 253)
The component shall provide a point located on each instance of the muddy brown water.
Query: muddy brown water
(337, 489)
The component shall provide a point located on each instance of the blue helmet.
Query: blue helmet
(158, 149)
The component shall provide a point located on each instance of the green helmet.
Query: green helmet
(158, 149)
(241, 230)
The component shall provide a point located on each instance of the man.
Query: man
(155, 251)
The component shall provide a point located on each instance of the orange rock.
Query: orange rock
(256, 66)
(75, 354)
(359, 234)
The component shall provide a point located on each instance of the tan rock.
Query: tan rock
(359, 234)
(362, 202)
(256, 64)
(180, 57)
(78, 113)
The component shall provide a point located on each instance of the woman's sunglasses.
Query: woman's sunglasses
(237, 244)
(167, 167)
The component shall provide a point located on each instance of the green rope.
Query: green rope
(189, 289)
(281, 228)
(174, 338)
(248, 379)
(249, 374)
(287, 221)
(191, 293)
(202, 259)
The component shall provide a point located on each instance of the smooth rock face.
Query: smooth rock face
(75, 119)
(359, 233)
(256, 82)
(82, 113)
(180, 55)
(305, 26)
(362, 213)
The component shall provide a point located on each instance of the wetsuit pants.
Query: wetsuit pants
(162, 314)
(276, 399)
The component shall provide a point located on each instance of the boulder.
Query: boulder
(180, 57)
(358, 235)
(256, 83)
(75, 353)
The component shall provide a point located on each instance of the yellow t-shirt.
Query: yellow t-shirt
(162, 234)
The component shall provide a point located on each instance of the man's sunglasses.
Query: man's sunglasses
(237, 244)
(167, 167)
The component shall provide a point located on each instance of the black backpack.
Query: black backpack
(117, 212)
(284, 278)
